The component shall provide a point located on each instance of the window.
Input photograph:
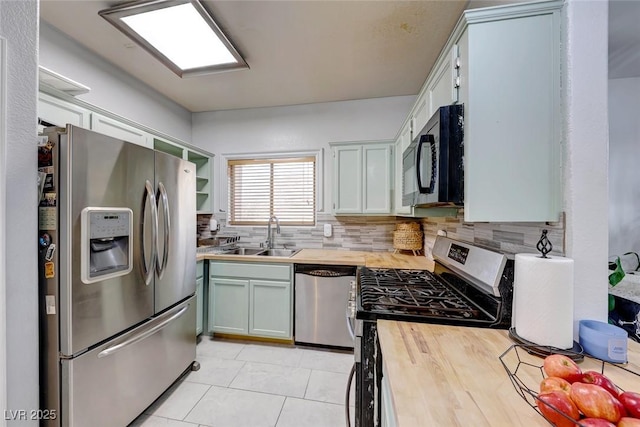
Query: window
(261, 188)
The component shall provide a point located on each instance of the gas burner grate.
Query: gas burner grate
(415, 292)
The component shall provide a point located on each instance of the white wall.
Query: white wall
(299, 127)
(585, 163)
(111, 88)
(19, 26)
(3, 238)
(624, 166)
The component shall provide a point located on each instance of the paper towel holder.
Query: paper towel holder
(544, 246)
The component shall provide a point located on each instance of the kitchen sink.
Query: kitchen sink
(244, 251)
(279, 252)
(261, 251)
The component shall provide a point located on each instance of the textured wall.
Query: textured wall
(19, 26)
(585, 165)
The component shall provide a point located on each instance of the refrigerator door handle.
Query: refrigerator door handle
(142, 335)
(147, 271)
(162, 264)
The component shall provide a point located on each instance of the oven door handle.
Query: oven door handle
(350, 325)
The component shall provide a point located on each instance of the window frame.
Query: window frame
(319, 178)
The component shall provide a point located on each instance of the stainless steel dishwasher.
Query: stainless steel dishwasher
(321, 296)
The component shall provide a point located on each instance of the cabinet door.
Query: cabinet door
(397, 187)
(59, 112)
(441, 88)
(377, 179)
(199, 269)
(199, 304)
(387, 412)
(123, 131)
(270, 311)
(406, 136)
(347, 179)
(512, 128)
(228, 305)
(421, 112)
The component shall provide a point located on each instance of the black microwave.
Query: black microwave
(433, 167)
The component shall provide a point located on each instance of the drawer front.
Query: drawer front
(129, 378)
(250, 270)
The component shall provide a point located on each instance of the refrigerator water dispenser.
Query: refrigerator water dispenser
(106, 243)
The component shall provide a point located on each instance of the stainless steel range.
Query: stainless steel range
(470, 286)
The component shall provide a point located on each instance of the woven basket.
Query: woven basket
(407, 240)
(408, 226)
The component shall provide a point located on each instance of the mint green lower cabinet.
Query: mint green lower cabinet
(387, 413)
(199, 304)
(228, 305)
(270, 308)
(200, 296)
(247, 298)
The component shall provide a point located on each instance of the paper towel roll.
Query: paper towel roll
(543, 300)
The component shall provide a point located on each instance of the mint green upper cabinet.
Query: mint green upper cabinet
(377, 178)
(421, 114)
(117, 129)
(362, 178)
(251, 299)
(510, 68)
(503, 64)
(204, 171)
(204, 180)
(347, 179)
(442, 87)
(402, 142)
(168, 147)
(59, 112)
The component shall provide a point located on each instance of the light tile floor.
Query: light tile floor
(243, 384)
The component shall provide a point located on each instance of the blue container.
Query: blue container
(603, 341)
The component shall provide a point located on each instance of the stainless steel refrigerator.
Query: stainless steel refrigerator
(117, 242)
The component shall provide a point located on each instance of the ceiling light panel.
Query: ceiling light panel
(180, 33)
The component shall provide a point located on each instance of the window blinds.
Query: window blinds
(261, 188)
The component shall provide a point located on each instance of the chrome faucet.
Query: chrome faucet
(269, 232)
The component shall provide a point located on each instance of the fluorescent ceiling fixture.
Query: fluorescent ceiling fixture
(180, 33)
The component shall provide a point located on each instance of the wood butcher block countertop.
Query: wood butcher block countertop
(452, 376)
(335, 257)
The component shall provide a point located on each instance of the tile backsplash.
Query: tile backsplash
(507, 237)
(376, 233)
(348, 233)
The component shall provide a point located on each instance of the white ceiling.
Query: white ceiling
(303, 52)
